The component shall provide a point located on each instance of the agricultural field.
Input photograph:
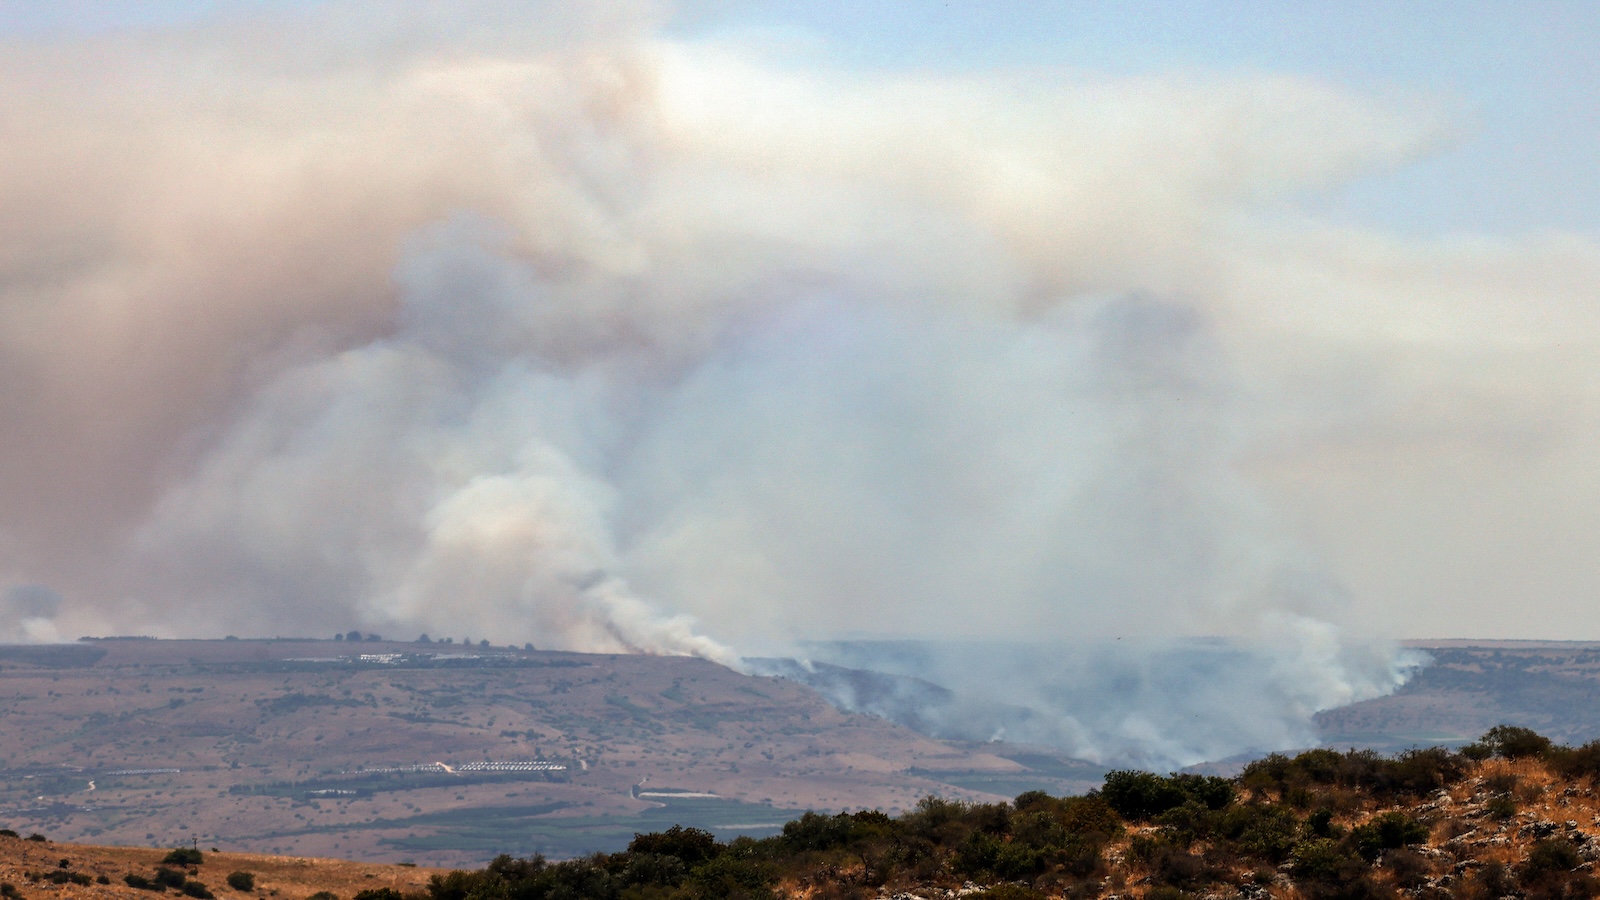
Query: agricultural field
(435, 753)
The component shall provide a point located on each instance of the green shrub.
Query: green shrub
(1575, 762)
(1389, 831)
(1028, 799)
(1510, 742)
(173, 878)
(1140, 796)
(1320, 824)
(197, 890)
(692, 845)
(1324, 861)
(383, 893)
(653, 869)
(1418, 772)
(1548, 856)
(142, 883)
(1260, 831)
(1501, 807)
(814, 831)
(324, 895)
(977, 854)
(733, 875)
(183, 856)
(242, 881)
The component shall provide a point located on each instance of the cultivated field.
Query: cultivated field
(440, 754)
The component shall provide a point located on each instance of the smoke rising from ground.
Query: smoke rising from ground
(578, 336)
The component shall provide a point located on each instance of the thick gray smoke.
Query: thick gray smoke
(577, 336)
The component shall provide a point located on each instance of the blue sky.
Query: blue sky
(1524, 76)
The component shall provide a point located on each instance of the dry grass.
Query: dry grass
(284, 877)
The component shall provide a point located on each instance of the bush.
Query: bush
(1509, 742)
(170, 877)
(653, 869)
(142, 883)
(383, 893)
(6, 832)
(1407, 868)
(691, 845)
(1493, 880)
(1501, 807)
(324, 895)
(1324, 861)
(1389, 831)
(1260, 831)
(183, 856)
(1549, 856)
(1576, 762)
(1320, 824)
(39, 838)
(9, 890)
(1089, 817)
(1419, 772)
(813, 831)
(242, 881)
(732, 875)
(197, 890)
(1140, 796)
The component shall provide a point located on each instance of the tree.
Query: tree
(1508, 742)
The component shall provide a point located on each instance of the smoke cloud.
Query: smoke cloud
(568, 333)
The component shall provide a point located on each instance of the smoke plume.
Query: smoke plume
(568, 333)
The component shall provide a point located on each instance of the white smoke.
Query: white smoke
(604, 342)
(1158, 703)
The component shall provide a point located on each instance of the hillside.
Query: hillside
(1550, 686)
(435, 753)
(1510, 816)
(46, 868)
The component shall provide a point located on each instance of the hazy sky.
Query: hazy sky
(1259, 310)
(1523, 76)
